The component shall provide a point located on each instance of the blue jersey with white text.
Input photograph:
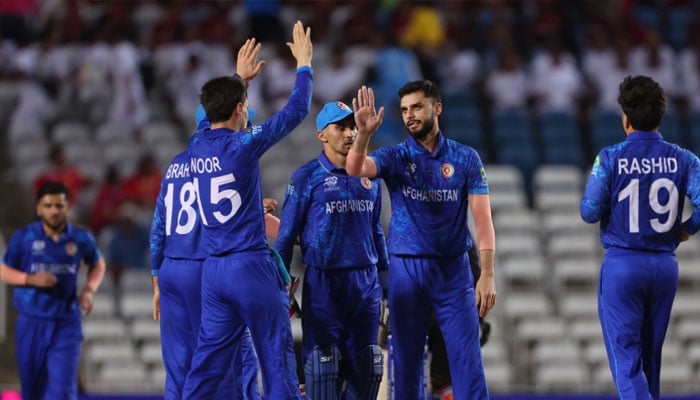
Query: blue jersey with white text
(175, 230)
(336, 217)
(637, 189)
(30, 250)
(225, 168)
(429, 195)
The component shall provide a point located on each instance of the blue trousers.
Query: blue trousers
(341, 309)
(635, 295)
(48, 352)
(243, 290)
(416, 287)
(179, 281)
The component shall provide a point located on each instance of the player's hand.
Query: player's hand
(42, 279)
(485, 295)
(247, 65)
(684, 234)
(269, 205)
(86, 300)
(301, 46)
(367, 119)
(156, 306)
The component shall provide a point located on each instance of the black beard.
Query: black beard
(424, 131)
(58, 227)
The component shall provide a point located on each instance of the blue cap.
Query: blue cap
(200, 118)
(202, 122)
(333, 111)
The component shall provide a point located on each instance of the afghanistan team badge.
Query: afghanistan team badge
(366, 183)
(447, 170)
(71, 248)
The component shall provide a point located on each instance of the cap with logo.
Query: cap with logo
(333, 111)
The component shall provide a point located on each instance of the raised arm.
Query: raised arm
(301, 46)
(367, 120)
(247, 65)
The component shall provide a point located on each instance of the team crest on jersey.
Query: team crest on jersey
(366, 183)
(447, 170)
(71, 248)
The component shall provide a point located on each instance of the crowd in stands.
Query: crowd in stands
(505, 67)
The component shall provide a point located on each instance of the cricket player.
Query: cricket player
(636, 191)
(42, 262)
(337, 220)
(432, 182)
(241, 284)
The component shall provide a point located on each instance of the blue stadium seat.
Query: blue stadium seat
(678, 24)
(512, 126)
(558, 126)
(464, 126)
(671, 128)
(606, 129)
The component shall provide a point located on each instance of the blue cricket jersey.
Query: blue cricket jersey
(637, 189)
(336, 216)
(225, 168)
(30, 250)
(429, 196)
(175, 230)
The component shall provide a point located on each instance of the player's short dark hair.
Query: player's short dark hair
(643, 101)
(52, 187)
(220, 96)
(429, 89)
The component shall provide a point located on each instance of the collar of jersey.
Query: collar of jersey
(328, 165)
(39, 229)
(414, 143)
(644, 135)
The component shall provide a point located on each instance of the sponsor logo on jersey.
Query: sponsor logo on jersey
(71, 248)
(38, 246)
(482, 171)
(447, 170)
(366, 183)
(290, 187)
(330, 183)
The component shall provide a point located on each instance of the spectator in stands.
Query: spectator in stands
(507, 86)
(143, 186)
(689, 69)
(555, 80)
(60, 171)
(108, 201)
(657, 60)
(128, 243)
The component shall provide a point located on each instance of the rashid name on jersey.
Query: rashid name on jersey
(434, 189)
(332, 213)
(639, 184)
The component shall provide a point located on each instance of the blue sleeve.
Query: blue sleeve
(157, 237)
(13, 254)
(382, 159)
(476, 179)
(92, 254)
(289, 117)
(596, 198)
(296, 202)
(693, 192)
(379, 240)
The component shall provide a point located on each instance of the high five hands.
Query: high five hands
(367, 119)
